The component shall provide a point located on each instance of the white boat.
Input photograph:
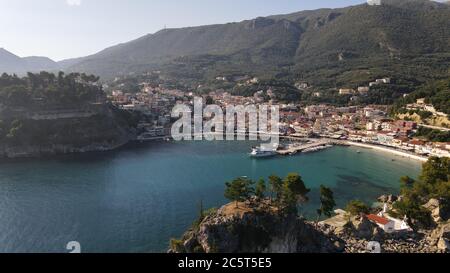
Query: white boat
(264, 151)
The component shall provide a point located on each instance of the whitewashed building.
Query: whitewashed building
(384, 223)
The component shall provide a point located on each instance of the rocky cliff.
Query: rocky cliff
(258, 227)
(102, 130)
(253, 228)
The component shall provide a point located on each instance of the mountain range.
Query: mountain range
(323, 43)
(14, 64)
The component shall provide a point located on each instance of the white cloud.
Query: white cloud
(73, 2)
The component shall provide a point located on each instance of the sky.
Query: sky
(62, 29)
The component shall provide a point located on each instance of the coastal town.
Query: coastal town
(368, 126)
(212, 136)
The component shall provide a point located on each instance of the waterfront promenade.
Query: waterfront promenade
(314, 143)
(325, 141)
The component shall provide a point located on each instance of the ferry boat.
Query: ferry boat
(264, 151)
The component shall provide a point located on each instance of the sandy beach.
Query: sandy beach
(388, 150)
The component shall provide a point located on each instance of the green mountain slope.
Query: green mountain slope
(326, 43)
(262, 38)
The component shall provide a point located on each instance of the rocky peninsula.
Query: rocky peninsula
(253, 228)
(46, 114)
(260, 228)
(103, 130)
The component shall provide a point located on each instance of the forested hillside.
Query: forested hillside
(328, 47)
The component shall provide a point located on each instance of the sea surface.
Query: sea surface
(137, 198)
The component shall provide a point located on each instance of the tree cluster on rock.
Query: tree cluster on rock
(357, 207)
(261, 218)
(286, 194)
(426, 200)
(46, 88)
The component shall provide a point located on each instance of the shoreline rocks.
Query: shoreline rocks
(105, 130)
(388, 199)
(56, 149)
(389, 243)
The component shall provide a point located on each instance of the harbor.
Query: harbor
(311, 145)
(295, 146)
(298, 145)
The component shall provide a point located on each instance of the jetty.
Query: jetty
(304, 147)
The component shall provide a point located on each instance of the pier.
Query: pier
(296, 148)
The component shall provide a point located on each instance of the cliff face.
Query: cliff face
(250, 229)
(101, 130)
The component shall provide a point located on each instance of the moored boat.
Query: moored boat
(264, 151)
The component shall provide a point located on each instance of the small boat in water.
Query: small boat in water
(264, 150)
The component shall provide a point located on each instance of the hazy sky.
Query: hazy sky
(63, 29)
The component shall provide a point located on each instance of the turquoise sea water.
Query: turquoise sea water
(136, 199)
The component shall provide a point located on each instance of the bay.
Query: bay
(137, 198)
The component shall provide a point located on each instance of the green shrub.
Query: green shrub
(356, 207)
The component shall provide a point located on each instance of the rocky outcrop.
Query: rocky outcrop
(259, 229)
(388, 199)
(358, 235)
(440, 210)
(255, 227)
(361, 227)
(108, 129)
(32, 151)
(444, 244)
(440, 237)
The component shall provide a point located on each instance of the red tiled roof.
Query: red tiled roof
(377, 219)
(416, 142)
